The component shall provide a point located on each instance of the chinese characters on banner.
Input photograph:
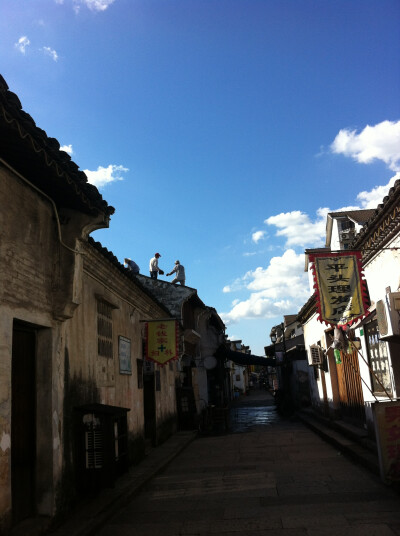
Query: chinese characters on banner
(162, 341)
(340, 287)
(387, 419)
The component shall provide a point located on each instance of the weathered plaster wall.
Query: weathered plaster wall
(211, 339)
(29, 252)
(314, 332)
(28, 246)
(53, 289)
(166, 410)
(94, 378)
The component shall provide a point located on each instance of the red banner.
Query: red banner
(162, 341)
(340, 287)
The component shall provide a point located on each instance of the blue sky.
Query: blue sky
(222, 131)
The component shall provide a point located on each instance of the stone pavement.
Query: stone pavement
(275, 477)
(87, 518)
(269, 476)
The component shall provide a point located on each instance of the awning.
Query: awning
(294, 353)
(244, 359)
(297, 353)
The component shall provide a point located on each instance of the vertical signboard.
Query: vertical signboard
(340, 287)
(162, 341)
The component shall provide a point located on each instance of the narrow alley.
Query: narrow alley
(266, 476)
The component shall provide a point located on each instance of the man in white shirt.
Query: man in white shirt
(179, 270)
(153, 267)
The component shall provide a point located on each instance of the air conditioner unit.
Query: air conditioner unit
(316, 354)
(388, 315)
(347, 235)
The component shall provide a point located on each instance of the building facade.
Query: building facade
(366, 374)
(77, 401)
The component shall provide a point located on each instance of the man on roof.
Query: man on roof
(179, 270)
(154, 269)
(132, 266)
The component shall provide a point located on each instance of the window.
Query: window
(347, 225)
(378, 359)
(93, 442)
(104, 329)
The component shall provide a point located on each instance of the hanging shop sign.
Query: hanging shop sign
(340, 287)
(162, 341)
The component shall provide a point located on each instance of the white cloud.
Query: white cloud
(105, 175)
(375, 196)
(22, 43)
(283, 277)
(379, 142)
(258, 307)
(238, 284)
(281, 288)
(68, 149)
(298, 229)
(257, 236)
(93, 5)
(50, 52)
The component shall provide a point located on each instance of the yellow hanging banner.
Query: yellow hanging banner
(162, 341)
(340, 287)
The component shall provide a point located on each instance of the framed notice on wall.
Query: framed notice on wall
(124, 354)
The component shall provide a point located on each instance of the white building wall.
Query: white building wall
(383, 271)
(314, 333)
(239, 378)
(335, 242)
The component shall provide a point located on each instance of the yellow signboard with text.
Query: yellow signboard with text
(162, 341)
(340, 287)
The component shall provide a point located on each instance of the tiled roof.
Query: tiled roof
(29, 151)
(389, 204)
(168, 296)
(171, 296)
(128, 273)
(359, 216)
(307, 310)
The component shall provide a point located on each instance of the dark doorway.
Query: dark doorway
(149, 408)
(23, 422)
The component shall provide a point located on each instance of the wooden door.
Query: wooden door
(23, 423)
(149, 407)
(350, 388)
